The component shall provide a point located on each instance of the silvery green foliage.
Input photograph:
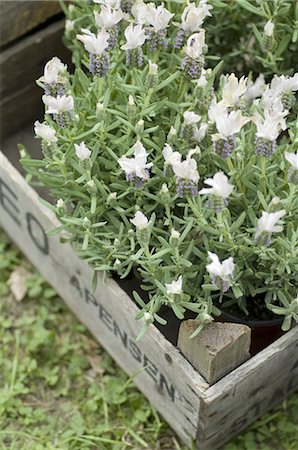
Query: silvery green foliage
(136, 144)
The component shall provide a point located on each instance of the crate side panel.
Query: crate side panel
(19, 17)
(163, 375)
(248, 392)
(24, 62)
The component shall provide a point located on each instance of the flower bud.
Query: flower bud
(139, 128)
(86, 223)
(172, 135)
(91, 187)
(131, 107)
(60, 207)
(148, 317)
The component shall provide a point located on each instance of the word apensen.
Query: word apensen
(33, 227)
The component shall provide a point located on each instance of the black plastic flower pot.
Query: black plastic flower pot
(263, 332)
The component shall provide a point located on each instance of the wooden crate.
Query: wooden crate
(20, 65)
(18, 18)
(210, 415)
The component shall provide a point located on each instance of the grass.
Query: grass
(60, 390)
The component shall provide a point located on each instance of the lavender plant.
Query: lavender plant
(160, 167)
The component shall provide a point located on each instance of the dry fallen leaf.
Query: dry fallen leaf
(17, 282)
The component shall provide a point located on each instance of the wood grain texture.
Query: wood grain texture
(20, 66)
(217, 349)
(19, 17)
(162, 374)
(252, 389)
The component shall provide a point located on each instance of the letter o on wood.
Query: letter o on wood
(37, 233)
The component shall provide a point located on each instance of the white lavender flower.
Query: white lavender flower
(216, 110)
(292, 158)
(109, 19)
(140, 221)
(158, 19)
(175, 234)
(193, 62)
(189, 127)
(82, 151)
(269, 28)
(218, 192)
(221, 272)
(187, 176)
(227, 124)
(135, 38)
(171, 157)
(192, 19)
(152, 77)
(61, 108)
(96, 45)
(267, 225)
(136, 168)
(175, 287)
(45, 132)
(139, 12)
(283, 87)
(54, 77)
(268, 129)
(200, 133)
(233, 89)
(69, 25)
(255, 89)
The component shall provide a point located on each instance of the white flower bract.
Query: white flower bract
(292, 158)
(158, 17)
(135, 37)
(108, 17)
(191, 118)
(56, 105)
(187, 169)
(229, 124)
(140, 221)
(269, 28)
(195, 45)
(267, 222)
(193, 17)
(170, 156)
(53, 70)
(137, 166)
(223, 270)
(175, 288)
(82, 151)
(220, 186)
(95, 44)
(45, 132)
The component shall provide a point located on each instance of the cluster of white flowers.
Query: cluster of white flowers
(136, 168)
(55, 99)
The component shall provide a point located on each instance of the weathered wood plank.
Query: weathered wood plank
(20, 66)
(164, 376)
(252, 389)
(19, 17)
(217, 349)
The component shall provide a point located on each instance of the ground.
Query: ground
(59, 390)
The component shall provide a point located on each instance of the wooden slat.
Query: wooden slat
(164, 376)
(249, 391)
(20, 66)
(19, 17)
